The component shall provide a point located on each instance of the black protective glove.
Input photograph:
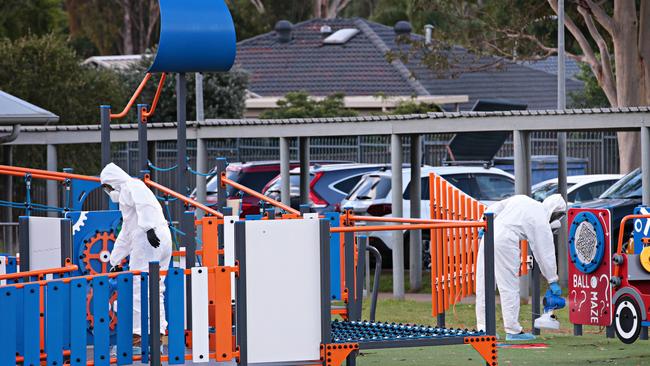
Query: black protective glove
(116, 268)
(153, 238)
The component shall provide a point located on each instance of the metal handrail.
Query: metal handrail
(147, 180)
(47, 174)
(135, 96)
(441, 225)
(226, 181)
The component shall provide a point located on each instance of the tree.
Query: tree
(125, 27)
(45, 71)
(301, 105)
(592, 96)
(19, 18)
(329, 9)
(603, 34)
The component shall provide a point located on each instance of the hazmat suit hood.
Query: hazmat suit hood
(114, 176)
(554, 203)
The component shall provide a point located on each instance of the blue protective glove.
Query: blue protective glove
(555, 288)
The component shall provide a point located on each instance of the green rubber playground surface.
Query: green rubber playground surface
(563, 348)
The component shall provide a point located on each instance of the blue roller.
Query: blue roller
(195, 36)
(176, 312)
(54, 323)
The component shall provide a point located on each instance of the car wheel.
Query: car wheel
(627, 319)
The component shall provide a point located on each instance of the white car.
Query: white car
(580, 188)
(372, 195)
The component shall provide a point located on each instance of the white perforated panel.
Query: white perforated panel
(200, 335)
(283, 297)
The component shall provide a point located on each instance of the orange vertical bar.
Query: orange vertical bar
(342, 255)
(445, 243)
(524, 257)
(458, 255)
(452, 253)
(432, 251)
(464, 241)
(439, 245)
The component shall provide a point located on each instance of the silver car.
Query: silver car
(372, 195)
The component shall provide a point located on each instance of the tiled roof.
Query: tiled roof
(360, 67)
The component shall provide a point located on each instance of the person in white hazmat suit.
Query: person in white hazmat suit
(519, 218)
(145, 235)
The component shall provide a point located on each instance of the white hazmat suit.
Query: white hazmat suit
(518, 218)
(141, 212)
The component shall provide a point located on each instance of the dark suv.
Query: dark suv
(621, 199)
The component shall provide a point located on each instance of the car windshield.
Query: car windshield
(540, 193)
(371, 187)
(627, 187)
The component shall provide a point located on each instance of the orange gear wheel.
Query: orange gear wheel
(112, 316)
(101, 239)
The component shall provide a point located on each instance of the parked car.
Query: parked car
(329, 184)
(621, 199)
(580, 188)
(254, 175)
(372, 196)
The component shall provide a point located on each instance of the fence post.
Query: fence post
(488, 251)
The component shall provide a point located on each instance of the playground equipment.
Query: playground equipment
(261, 274)
(609, 290)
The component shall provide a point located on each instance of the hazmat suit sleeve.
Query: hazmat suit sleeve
(540, 238)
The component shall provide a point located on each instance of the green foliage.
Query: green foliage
(249, 22)
(21, 17)
(224, 93)
(45, 71)
(412, 107)
(300, 105)
(592, 96)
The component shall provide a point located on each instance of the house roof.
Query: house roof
(17, 111)
(549, 65)
(360, 67)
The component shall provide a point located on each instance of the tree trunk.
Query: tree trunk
(127, 30)
(628, 84)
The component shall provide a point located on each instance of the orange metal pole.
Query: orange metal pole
(524, 257)
(154, 103)
(440, 248)
(147, 180)
(470, 247)
(135, 96)
(49, 174)
(432, 251)
(453, 244)
(442, 225)
(36, 176)
(444, 211)
(258, 195)
(397, 220)
(464, 251)
(18, 275)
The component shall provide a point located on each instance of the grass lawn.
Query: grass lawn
(563, 348)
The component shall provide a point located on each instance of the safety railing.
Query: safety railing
(228, 182)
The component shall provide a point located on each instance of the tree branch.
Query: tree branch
(603, 72)
(601, 15)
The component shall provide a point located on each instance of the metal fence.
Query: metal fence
(598, 148)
